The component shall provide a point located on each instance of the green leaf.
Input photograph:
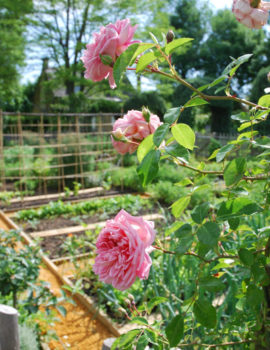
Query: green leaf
(160, 134)
(200, 212)
(145, 146)
(155, 40)
(125, 339)
(123, 62)
(175, 330)
(184, 135)
(179, 206)
(178, 151)
(223, 151)
(264, 101)
(151, 336)
(234, 171)
(234, 223)
(154, 302)
(205, 313)
(218, 80)
(208, 233)
(195, 101)
(237, 207)
(235, 64)
(212, 284)
(255, 296)
(246, 256)
(184, 244)
(214, 154)
(171, 115)
(149, 166)
(139, 320)
(142, 343)
(141, 48)
(172, 46)
(184, 230)
(145, 60)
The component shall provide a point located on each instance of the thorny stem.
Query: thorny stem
(175, 76)
(208, 261)
(221, 173)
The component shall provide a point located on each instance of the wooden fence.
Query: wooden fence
(53, 148)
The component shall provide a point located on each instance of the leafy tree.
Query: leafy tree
(190, 20)
(12, 26)
(228, 38)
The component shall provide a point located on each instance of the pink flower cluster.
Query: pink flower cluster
(123, 248)
(252, 17)
(112, 40)
(133, 128)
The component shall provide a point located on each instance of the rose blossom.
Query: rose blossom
(112, 40)
(123, 248)
(135, 128)
(252, 17)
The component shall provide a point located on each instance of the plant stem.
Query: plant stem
(211, 346)
(175, 76)
(221, 173)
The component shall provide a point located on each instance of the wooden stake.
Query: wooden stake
(21, 159)
(42, 141)
(79, 148)
(61, 169)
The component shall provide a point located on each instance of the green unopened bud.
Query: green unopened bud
(146, 114)
(107, 60)
(255, 3)
(118, 135)
(170, 36)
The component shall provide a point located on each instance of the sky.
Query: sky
(32, 70)
(219, 4)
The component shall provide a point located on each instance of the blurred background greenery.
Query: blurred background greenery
(50, 36)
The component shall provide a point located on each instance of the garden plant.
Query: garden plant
(217, 252)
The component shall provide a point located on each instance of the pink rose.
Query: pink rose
(252, 17)
(134, 128)
(112, 40)
(123, 248)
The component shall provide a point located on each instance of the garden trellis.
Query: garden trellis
(53, 147)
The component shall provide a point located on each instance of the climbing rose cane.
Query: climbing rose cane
(123, 248)
(251, 13)
(111, 41)
(129, 131)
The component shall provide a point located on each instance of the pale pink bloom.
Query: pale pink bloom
(123, 248)
(135, 128)
(250, 16)
(112, 40)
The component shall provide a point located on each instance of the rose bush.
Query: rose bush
(111, 41)
(251, 13)
(123, 248)
(215, 284)
(133, 129)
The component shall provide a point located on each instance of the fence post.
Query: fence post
(2, 159)
(9, 329)
(79, 150)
